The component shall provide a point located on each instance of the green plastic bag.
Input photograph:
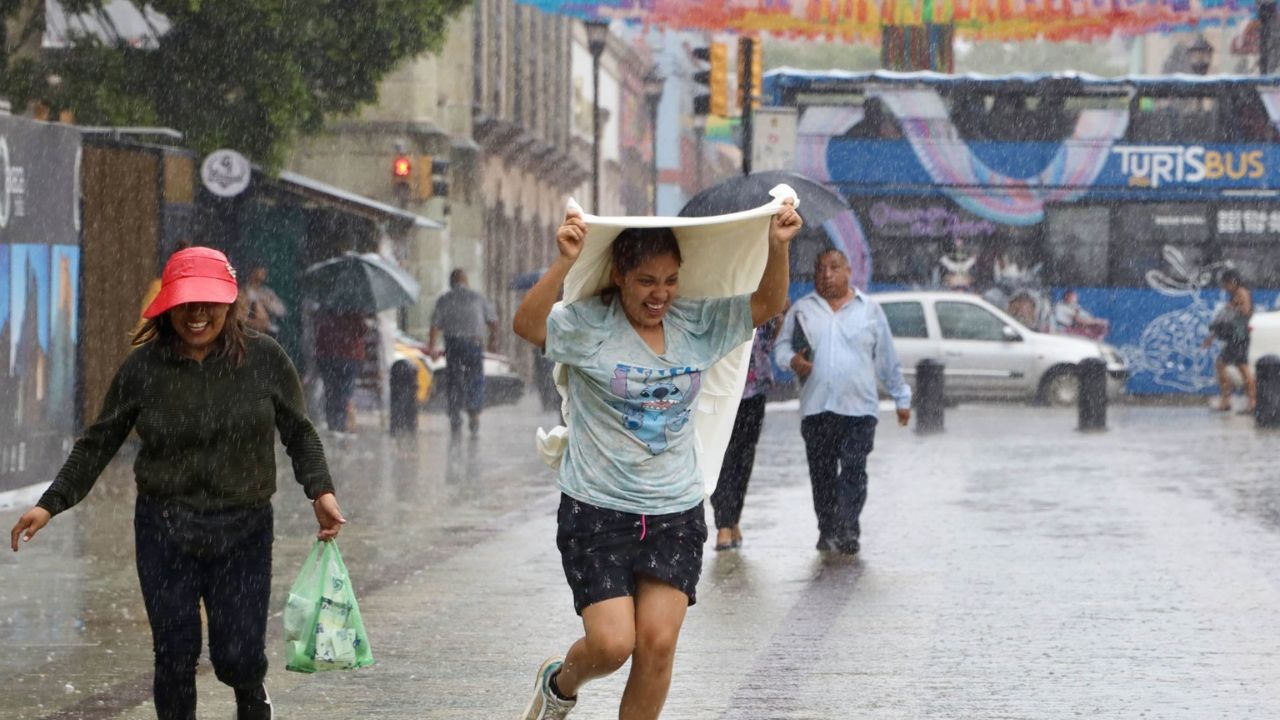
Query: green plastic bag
(322, 625)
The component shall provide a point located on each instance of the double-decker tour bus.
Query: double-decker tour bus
(1134, 191)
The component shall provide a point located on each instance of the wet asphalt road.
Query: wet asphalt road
(1011, 568)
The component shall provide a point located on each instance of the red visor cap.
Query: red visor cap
(197, 274)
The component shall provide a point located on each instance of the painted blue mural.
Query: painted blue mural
(1160, 334)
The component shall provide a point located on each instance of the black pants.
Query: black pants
(222, 559)
(739, 458)
(339, 376)
(464, 360)
(837, 447)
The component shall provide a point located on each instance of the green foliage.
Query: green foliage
(244, 74)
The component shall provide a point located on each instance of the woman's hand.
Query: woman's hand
(786, 224)
(530, 321)
(28, 525)
(571, 236)
(328, 515)
(771, 294)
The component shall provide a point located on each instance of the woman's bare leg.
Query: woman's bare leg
(1225, 388)
(610, 638)
(1250, 385)
(659, 613)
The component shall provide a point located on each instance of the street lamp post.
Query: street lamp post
(699, 129)
(654, 83)
(1266, 18)
(597, 34)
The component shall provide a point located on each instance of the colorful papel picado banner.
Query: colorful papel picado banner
(861, 20)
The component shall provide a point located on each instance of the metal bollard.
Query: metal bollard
(1267, 413)
(930, 400)
(404, 398)
(1091, 400)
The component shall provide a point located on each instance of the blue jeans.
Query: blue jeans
(464, 359)
(837, 447)
(221, 558)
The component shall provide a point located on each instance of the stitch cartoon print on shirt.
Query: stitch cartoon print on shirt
(653, 401)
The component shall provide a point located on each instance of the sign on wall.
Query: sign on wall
(39, 298)
(773, 141)
(226, 173)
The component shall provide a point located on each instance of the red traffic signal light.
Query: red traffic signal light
(401, 168)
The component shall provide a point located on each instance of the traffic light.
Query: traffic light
(434, 181)
(401, 169)
(750, 74)
(401, 178)
(715, 100)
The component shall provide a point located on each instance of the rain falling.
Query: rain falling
(541, 359)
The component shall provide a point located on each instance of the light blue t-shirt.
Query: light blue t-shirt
(631, 441)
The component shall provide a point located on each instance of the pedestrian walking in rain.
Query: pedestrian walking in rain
(1231, 326)
(340, 352)
(464, 317)
(206, 397)
(265, 307)
(740, 456)
(631, 523)
(849, 347)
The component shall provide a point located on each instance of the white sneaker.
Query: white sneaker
(545, 705)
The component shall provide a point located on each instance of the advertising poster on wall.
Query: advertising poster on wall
(39, 299)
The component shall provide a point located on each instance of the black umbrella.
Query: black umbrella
(828, 219)
(360, 283)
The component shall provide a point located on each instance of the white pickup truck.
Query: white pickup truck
(987, 353)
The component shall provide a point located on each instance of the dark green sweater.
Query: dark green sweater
(207, 430)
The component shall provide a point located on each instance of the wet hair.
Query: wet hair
(231, 344)
(456, 277)
(634, 246)
(1230, 275)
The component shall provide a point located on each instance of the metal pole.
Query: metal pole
(653, 166)
(595, 134)
(698, 130)
(1266, 16)
(930, 397)
(747, 46)
(1091, 400)
(1267, 375)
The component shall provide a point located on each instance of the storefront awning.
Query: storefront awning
(358, 204)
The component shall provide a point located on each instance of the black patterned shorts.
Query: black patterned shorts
(603, 550)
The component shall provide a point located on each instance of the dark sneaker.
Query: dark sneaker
(253, 704)
(847, 546)
(474, 424)
(545, 705)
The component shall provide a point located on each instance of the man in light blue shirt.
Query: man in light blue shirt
(837, 341)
